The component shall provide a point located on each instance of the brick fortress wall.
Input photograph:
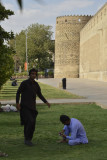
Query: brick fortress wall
(93, 47)
(67, 44)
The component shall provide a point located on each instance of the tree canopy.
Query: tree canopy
(6, 60)
(40, 47)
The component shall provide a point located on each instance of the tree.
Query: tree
(40, 47)
(6, 60)
(19, 46)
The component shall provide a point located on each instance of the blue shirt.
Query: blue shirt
(76, 129)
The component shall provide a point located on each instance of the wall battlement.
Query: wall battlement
(73, 16)
(95, 21)
(72, 19)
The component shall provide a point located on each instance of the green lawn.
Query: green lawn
(46, 135)
(8, 92)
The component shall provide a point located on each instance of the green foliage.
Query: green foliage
(50, 73)
(3, 34)
(6, 64)
(41, 73)
(46, 134)
(6, 53)
(4, 13)
(40, 47)
(20, 74)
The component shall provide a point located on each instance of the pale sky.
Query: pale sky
(46, 12)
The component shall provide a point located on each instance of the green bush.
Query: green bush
(41, 73)
(21, 74)
(50, 73)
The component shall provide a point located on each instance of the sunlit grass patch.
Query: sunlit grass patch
(9, 92)
(46, 134)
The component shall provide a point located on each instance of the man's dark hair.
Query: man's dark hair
(32, 70)
(64, 118)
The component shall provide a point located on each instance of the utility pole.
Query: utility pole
(26, 51)
(15, 54)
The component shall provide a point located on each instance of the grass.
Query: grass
(46, 136)
(8, 92)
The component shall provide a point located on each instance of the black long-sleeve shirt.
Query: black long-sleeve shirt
(28, 90)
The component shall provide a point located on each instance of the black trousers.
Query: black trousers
(28, 119)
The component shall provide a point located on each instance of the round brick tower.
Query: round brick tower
(67, 42)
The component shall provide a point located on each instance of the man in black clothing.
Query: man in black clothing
(27, 107)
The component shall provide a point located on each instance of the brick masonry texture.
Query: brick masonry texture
(67, 43)
(93, 47)
(81, 46)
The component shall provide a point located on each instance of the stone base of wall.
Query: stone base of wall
(99, 76)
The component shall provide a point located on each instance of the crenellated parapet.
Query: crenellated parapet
(71, 18)
(95, 22)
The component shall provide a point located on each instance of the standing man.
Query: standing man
(27, 107)
(75, 128)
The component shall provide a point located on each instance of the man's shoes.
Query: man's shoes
(28, 143)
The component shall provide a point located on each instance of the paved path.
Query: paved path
(93, 91)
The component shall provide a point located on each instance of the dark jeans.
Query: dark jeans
(28, 119)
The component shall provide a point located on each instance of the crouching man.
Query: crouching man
(75, 129)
